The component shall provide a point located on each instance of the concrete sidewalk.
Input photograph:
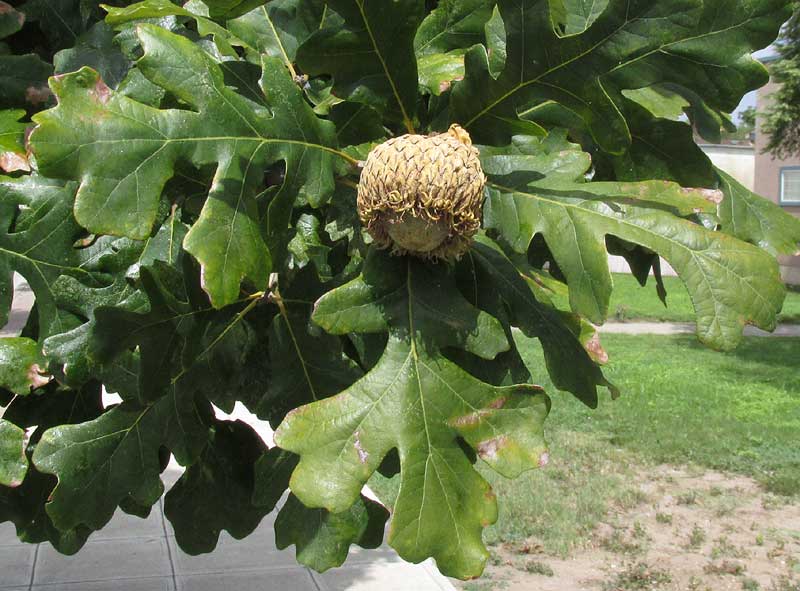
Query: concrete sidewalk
(671, 328)
(133, 554)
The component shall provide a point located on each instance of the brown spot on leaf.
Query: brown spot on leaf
(84, 242)
(595, 349)
(444, 86)
(37, 376)
(498, 402)
(101, 92)
(7, 8)
(466, 420)
(363, 455)
(476, 417)
(489, 449)
(544, 459)
(12, 162)
(37, 94)
(713, 195)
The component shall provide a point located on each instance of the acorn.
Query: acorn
(423, 195)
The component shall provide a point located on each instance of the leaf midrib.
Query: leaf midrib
(406, 119)
(601, 42)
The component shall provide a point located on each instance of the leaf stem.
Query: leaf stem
(275, 297)
(347, 183)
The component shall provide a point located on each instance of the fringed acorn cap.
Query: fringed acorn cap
(423, 195)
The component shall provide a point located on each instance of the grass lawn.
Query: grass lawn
(630, 301)
(681, 404)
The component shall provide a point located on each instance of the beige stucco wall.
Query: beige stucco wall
(768, 180)
(737, 161)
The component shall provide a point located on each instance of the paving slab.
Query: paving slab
(123, 526)
(144, 584)
(255, 552)
(104, 560)
(146, 562)
(8, 534)
(16, 565)
(288, 580)
(383, 575)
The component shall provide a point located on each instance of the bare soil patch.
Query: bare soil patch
(694, 530)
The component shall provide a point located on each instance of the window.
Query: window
(790, 186)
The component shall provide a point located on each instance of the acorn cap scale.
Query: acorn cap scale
(423, 195)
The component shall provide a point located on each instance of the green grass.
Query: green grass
(559, 506)
(681, 404)
(630, 301)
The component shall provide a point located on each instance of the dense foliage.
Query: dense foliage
(184, 212)
(782, 116)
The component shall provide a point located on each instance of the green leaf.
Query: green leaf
(90, 349)
(126, 19)
(701, 46)
(420, 403)
(370, 55)
(307, 247)
(662, 149)
(279, 27)
(11, 20)
(24, 505)
(23, 81)
(496, 43)
(32, 208)
(12, 141)
(754, 219)
(63, 21)
(95, 49)
(453, 24)
(215, 493)
(575, 16)
(13, 461)
(569, 364)
(121, 195)
(323, 539)
(356, 123)
(438, 71)
(228, 9)
(22, 365)
(730, 282)
(312, 366)
(661, 102)
(157, 321)
(102, 462)
(272, 472)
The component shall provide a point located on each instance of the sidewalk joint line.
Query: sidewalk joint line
(166, 541)
(33, 566)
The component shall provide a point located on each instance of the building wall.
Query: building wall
(737, 161)
(768, 180)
